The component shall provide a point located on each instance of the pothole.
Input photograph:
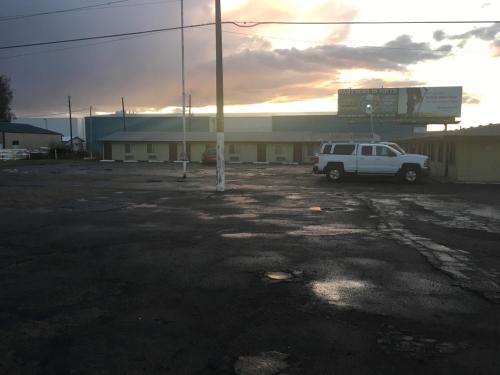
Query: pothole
(278, 275)
(265, 363)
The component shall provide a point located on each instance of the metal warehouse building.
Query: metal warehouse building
(467, 155)
(15, 135)
(249, 138)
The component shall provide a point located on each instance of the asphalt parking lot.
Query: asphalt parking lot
(118, 268)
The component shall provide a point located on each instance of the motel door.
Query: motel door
(188, 150)
(261, 152)
(297, 153)
(107, 151)
(172, 152)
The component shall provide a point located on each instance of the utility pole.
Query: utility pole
(190, 114)
(220, 179)
(90, 143)
(70, 124)
(184, 153)
(123, 113)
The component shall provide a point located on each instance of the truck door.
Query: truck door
(386, 160)
(366, 159)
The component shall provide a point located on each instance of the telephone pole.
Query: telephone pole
(70, 124)
(123, 113)
(220, 178)
(89, 142)
(184, 153)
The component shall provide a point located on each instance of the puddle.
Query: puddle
(240, 216)
(325, 230)
(315, 209)
(294, 197)
(266, 363)
(338, 292)
(278, 276)
(251, 235)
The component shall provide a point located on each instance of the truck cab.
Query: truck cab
(337, 159)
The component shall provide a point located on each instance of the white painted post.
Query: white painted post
(220, 178)
(184, 149)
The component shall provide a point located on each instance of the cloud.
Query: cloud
(146, 71)
(253, 76)
(439, 35)
(470, 99)
(377, 82)
(487, 33)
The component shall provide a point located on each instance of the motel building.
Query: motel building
(466, 155)
(290, 138)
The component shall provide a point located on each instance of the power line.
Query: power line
(261, 23)
(241, 25)
(151, 31)
(108, 5)
(21, 16)
(73, 47)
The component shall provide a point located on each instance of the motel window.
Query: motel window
(15, 143)
(150, 148)
(234, 149)
(278, 149)
(129, 148)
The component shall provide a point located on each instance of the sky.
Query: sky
(273, 68)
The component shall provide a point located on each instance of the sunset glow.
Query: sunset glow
(269, 68)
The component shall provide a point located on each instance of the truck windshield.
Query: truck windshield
(396, 147)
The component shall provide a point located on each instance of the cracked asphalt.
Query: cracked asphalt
(117, 268)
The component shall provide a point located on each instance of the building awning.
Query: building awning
(266, 137)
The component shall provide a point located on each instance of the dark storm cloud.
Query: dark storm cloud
(146, 71)
(488, 34)
(257, 76)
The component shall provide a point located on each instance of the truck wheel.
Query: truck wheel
(411, 174)
(335, 173)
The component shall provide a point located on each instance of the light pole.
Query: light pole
(70, 124)
(184, 153)
(90, 141)
(220, 179)
(369, 111)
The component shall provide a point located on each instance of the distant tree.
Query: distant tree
(6, 95)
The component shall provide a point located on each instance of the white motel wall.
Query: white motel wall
(240, 147)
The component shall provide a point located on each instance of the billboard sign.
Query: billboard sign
(411, 102)
(430, 102)
(352, 103)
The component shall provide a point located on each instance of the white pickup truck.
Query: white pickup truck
(337, 159)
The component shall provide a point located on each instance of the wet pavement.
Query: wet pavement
(113, 268)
